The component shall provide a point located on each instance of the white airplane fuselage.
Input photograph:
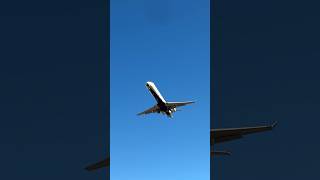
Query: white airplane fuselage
(161, 102)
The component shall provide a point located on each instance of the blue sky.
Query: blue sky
(166, 42)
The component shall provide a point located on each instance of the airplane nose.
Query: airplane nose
(148, 83)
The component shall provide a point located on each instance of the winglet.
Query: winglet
(274, 124)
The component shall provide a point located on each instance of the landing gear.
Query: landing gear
(169, 114)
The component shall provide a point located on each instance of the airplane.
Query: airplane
(216, 136)
(162, 105)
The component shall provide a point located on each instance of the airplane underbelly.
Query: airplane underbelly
(157, 96)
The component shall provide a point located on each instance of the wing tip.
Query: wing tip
(98, 165)
(274, 124)
(90, 168)
(139, 114)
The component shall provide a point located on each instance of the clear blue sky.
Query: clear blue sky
(166, 42)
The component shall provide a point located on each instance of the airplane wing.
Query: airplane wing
(98, 165)
(222, 135)
(153, 109)
(178, 104)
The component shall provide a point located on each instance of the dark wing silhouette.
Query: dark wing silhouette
(98, 165)
(228, 134)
